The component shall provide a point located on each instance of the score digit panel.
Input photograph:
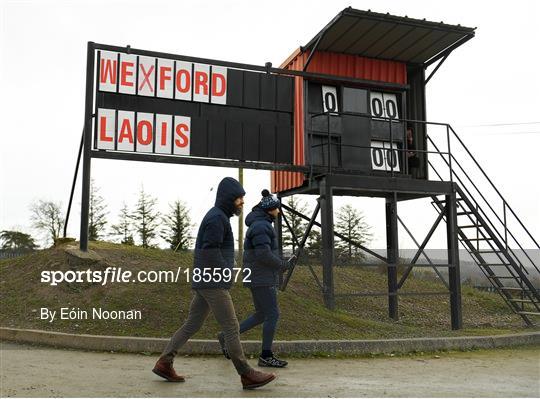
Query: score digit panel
(364, 121)
(384, 156)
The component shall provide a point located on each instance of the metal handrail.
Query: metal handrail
(493, 186)
(450, 161)
(507, 231)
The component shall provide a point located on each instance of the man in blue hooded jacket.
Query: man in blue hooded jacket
(263, 265)
(212, 277)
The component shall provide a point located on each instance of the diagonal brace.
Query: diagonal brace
(298, 245)
(301, 244)
(425, 255)
(356, 244)
(421, 249)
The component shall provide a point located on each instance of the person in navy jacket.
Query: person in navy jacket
(262, 267)
(211, 279)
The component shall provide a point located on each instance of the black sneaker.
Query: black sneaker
(271, 361)
(221, 339)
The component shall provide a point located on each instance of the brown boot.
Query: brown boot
(255, 378)
(164, 368)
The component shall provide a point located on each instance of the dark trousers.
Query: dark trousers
(266, 312)
(220, 303)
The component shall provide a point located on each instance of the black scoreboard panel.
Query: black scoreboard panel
(353, 135)
(255, 123)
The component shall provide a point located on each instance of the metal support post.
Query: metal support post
(392, 251)
(453, 260)
(327, 232)
(89, 101)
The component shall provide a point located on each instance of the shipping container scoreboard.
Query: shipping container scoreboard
(361, 124)
(167, 105)
(151, 105)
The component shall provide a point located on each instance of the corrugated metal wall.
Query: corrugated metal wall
(344, 65)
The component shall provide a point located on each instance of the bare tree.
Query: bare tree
(96, 214)
(145, 218)
(124, 228)
(46, 217)
(177, 231)
(351, 224)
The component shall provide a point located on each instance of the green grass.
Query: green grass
(303, 315)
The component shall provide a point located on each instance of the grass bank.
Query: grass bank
(303, 315)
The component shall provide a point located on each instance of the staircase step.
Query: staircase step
(512, 289)
(495, 264)
(488, 251)
(521, 300)
(499, 277)
(464, 213)
(530, 313)
(468, 226)
(477, 239)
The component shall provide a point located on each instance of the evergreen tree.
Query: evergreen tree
(16, 240)
(145, 218)
(46, 217)
(96, 214)
(177, 231)
(351, 224)
(314, 244)
(124, 228)
(297, 223)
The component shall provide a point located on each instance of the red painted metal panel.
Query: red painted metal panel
(343, 65)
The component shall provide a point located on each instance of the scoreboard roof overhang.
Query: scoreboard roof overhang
(389, 37)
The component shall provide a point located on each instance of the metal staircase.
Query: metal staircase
(486, 235)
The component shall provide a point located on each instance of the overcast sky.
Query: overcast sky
(488, 90)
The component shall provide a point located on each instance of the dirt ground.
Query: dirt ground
(30, 371)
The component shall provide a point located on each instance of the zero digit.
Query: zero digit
(377, 107)
(378, 156)
(391, 109)
(391, 158)
(330, 101)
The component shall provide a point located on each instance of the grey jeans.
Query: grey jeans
(218, 301)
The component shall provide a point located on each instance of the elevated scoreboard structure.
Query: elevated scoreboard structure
(336, 118)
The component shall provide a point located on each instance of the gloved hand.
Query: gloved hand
(287, 264)
(292, 260)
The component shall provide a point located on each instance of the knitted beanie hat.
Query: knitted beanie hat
(268, 201)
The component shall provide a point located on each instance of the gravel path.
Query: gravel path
(39, 371)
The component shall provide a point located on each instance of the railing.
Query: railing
(453, 162)
(486, 201)
(397, 135)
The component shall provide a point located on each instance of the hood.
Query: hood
(228, 190)
(258, 214)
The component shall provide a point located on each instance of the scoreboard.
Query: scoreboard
(172, 106)
(361, 124)
(163, 104)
